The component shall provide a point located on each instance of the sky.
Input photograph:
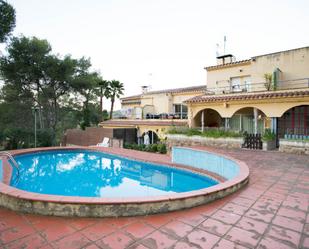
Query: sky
(162, 43)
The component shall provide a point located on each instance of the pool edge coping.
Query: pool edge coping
(221, 189)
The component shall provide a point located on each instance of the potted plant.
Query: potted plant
(268, 81)
(269, 140)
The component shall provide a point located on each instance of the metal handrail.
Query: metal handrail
(292, 84)
(15, 164)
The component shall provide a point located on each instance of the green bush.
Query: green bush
(268, 135)
(161, 148)
(215, 133)
(153, 147)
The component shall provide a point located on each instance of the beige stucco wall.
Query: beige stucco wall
(223, 75)
(128, 106)
(180, 98)
(163, 102)
(294, 64)
(270, 107)
(159, 130)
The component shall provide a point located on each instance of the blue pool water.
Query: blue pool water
(96, 174)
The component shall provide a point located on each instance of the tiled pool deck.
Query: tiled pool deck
(270, 212)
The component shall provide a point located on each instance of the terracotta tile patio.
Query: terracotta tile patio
(271, 212)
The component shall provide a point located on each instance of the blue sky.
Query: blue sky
(162, 43)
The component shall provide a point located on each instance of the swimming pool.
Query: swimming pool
(96, 174)
(108, 182)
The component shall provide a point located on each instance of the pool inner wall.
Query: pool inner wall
(236, 173)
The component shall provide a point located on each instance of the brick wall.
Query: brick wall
(90, 136)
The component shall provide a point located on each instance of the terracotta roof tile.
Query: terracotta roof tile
(138, 96)
(173, 90)
(180, 90)
(247, 96)
(144, 122)
(227, 64)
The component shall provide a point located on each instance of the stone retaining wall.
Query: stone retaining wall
(183, 140)
(295, 147)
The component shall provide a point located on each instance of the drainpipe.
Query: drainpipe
(255, 112)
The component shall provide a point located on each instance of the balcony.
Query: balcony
(226, 86)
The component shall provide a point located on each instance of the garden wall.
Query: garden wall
(296, 147)
(183, 140)
(89, 136)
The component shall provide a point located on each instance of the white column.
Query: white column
(180, 111)
(240, 122)
(274, 125)
(227, 123)
(255, 120)
(202, 120)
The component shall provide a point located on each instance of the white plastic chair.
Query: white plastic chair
(105, 142)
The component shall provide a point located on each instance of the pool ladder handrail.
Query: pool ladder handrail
(15, 164)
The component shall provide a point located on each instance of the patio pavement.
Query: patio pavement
(270, 212)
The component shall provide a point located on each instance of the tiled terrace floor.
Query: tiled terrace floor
(271, 212)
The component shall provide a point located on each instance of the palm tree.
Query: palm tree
(105, 91)
(116, 89)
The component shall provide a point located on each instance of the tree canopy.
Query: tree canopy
(64, 90)
(116, 90)
(7, 20)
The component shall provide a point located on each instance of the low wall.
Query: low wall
(183, 140)
(89, 136)
(1, 171)
(213, 163)
(28, 202)
(296, 147)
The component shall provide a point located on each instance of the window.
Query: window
(181, 111)
(247, 83)
(241, 84)
(235, 84)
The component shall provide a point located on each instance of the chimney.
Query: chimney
(145, 89)
(225, 59)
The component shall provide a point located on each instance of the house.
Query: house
(153, 112)
(265, 91)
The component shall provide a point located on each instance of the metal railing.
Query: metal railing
(228, 88)
(14, 163)
(296, 133)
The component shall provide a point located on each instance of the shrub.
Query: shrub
(268, 135)
(216, 133)
(162, 148)
(153, 147)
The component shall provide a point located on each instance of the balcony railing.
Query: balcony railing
(259, 87)
(183, 115)
(297, 133)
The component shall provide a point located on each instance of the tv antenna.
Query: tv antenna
(217, 50)
(224, 44)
